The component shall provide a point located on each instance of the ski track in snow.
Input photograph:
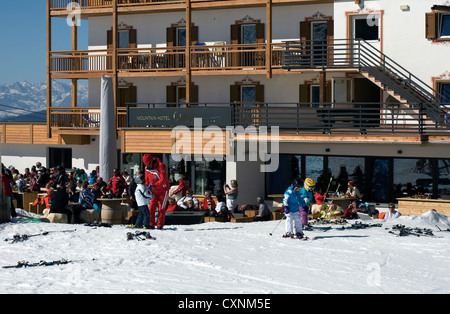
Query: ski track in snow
(221, 258)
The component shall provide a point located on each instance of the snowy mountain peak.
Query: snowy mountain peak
(33, 97)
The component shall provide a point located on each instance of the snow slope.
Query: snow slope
(224, 258)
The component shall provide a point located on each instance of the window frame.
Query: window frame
(440, 21)
(354, 18)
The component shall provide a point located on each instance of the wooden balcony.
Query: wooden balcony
(81, 121)
(217, 59)
(105, 7)
(81, 64)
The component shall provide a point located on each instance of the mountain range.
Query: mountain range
(25, 101)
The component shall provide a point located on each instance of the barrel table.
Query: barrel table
(112, 212)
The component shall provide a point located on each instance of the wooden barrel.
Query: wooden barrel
(112, 212)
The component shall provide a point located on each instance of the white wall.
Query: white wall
(403, 34)
(21, 156)
(214, 25)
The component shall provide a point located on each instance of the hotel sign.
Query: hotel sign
(172, 117)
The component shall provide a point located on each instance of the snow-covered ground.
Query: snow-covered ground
(224, 258)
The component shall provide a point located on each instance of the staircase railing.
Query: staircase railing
(341, 53)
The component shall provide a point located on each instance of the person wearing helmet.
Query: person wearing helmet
(292, 201)
(308, 194)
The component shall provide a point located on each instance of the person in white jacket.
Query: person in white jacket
(142, 196)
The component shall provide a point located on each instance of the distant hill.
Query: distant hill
(26, 102)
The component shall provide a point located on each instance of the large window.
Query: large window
(366, 27)
(60, 157)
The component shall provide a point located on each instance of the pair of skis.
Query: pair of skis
(25, 264)
(140, 236)
(24, 237)
(405, 231)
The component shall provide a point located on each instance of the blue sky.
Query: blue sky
(23, 40)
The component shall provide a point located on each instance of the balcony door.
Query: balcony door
(176, 37)
(319, 32)
(247, 34)
(126, 95)
(247, 98)
(316, 37)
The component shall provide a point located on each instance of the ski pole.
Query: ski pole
(278, 224)
(329, 184)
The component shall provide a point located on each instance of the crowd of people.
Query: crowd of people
(301, 198)
(150, 192)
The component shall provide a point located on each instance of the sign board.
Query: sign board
(172, 117)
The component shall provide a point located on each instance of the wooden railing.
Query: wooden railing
(76, 62)
(84, 4)
(217, 57)
(82, 118)
(93, 4)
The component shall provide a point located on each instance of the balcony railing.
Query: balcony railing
(79, 62)
(82, 118)
(216, 57)
(94, 4)
(326, 118)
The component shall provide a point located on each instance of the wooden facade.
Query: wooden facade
(25, 133)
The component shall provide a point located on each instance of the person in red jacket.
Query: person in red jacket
(156, 175)
(7, 187)
(116, 185)
(183, 186)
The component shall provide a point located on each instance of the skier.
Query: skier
(307, 192)
(292, 201)
(156, 175)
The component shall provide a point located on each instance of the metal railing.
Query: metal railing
(357, 53)
(328, 118)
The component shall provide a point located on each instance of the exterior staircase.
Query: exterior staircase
(377, 67)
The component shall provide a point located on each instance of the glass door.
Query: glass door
(319, 32)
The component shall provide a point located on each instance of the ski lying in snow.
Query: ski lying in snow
(24, 237)
(96, 224)
(405, 231)
(24, 264)
(140, 236)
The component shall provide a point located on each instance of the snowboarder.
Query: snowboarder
(292, 201)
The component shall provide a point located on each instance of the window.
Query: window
(60, 157)
(342, 90)
(319, 42)
(315, 96)
(123, 39)
(181, 36)
(310, 95)
(366, 27)
(437, 26)
(248, 93)
(444, 25)
(126, 38)
(444, 90)
(176, 95)
(248, 33)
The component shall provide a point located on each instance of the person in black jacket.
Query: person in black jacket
(59, 201)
